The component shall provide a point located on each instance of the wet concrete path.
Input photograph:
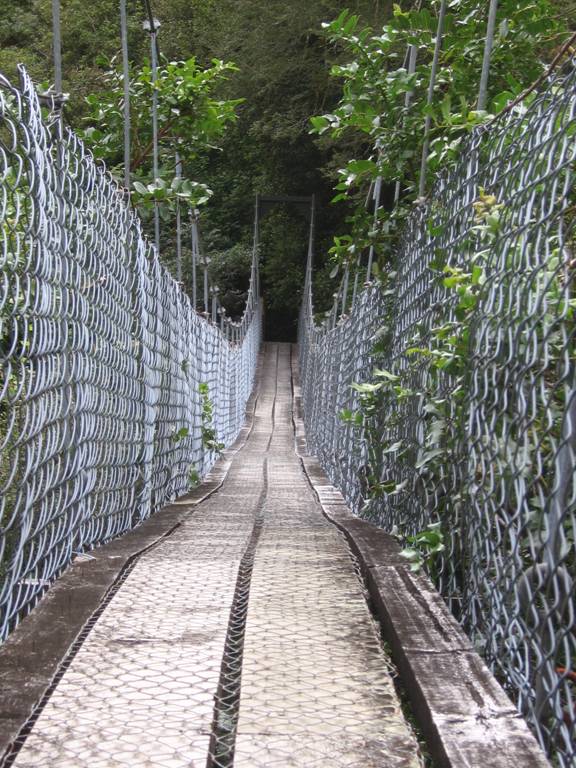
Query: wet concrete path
(242, 639)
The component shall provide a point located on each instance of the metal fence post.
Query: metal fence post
(178, 164)
(430, 98)
(126, 84)
(489, 42)
(152, 25)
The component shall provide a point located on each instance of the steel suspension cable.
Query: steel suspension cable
(126, 84)
(483, 90)
(430, 97)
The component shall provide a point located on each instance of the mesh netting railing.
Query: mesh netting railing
(466, 411)
(115, 394)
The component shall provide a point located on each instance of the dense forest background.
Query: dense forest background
(283, 76)
(283, 58)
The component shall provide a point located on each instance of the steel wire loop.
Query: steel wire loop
(114, 392)
(473, 424)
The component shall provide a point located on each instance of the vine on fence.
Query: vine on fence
(209, 435)
(385, 104)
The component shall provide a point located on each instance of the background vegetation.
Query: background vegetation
(283, 62)
(288, 67)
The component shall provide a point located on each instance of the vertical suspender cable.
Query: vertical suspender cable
(126, 83)
(57, 47)
(256, 245)
(483, 90)
(428, 121)
(154, 63)
(178, 224)
(377, 193)
(205, 268)
(309, 264)
(152, 25)
(70, 395)
(412, 54)
(345, 282)
(194, 247)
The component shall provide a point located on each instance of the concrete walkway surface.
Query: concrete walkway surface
(242, 639)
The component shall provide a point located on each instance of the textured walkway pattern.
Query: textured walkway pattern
(243, 639)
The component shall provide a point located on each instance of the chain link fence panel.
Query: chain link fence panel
(114, 392)
(461, 437)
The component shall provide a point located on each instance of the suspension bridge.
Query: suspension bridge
(213, 548)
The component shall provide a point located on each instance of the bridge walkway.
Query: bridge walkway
(243, 638)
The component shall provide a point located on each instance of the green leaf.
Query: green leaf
(393, 448)
(382, 374)
(427, 457)
(180, 434)
(412, 555)
(366, 388)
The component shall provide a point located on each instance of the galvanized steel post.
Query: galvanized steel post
(430, 98)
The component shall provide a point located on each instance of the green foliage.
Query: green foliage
(424, 547)
(375, 83)
(283, 75)
(438, 362)
(193, 478)
(283, 61)
(435, 362)
(180, 434)
(230, 270)
(190, 119)
(282, 270)
(209, 436)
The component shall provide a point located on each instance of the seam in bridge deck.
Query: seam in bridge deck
(244, 638)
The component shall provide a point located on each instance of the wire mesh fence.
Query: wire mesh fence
(115, 394)
(460, 435)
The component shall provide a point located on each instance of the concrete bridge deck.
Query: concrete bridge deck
(243, 638)
(233, 629)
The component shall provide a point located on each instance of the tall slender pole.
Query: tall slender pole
(483, 90)
(178, 225)
(205, 267)
(412, 55)
(345, 289)
(311, 238)
(126, 83)
(377, 193)
(355, 286)
(57, 47)
(428, 121)
(70, 394)
(255, 254)
(194, 244)
(153, 25)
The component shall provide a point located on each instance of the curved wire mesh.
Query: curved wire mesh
(483, 442)
(114, 391)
